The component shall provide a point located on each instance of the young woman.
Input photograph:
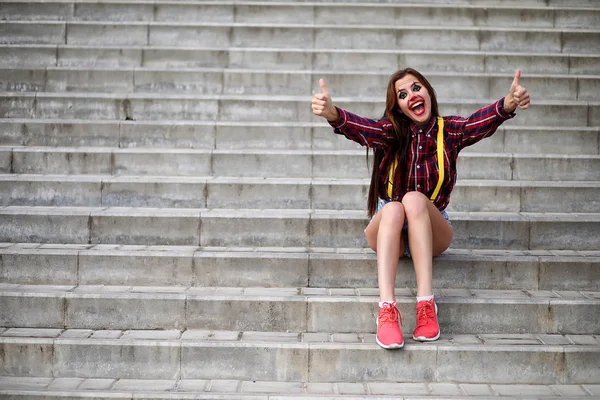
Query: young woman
(414, 172)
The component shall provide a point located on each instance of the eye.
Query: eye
(416, 87)
(402, 95)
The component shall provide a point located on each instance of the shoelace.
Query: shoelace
(425, 311)
(389, 313)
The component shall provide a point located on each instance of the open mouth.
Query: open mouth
(418, 107)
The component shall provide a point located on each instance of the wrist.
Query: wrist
(333, 116)
(509, 105)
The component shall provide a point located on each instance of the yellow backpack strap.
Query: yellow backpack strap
(390, 188)
(440, 157)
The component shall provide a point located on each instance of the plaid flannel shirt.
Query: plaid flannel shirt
(421, 172)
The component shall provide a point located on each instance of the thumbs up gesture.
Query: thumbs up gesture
(517, 95)
(322, 105)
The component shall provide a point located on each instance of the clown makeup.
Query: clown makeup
(413, 99)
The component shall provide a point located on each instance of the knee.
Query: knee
(415, 204)
(393, 213)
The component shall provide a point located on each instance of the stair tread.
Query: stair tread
(316, 252)
(310, 294)
(275, 180)
(308, 71)
(297, 50)
(259, 390)
(349, 152)
(206, 337)
(265, 97)
(285, 213)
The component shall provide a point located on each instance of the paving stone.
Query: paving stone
(223, 385)
(474, 389)
(158, 289)
(65, 384)
(192, 385)
(102, 289)
(24, 383)
(554, 339)
(320, 388)
(594, 389)
(195, 334)
(345, 338)
(271, 387)
(408, 389)
(157, 335)
(510, 340)
(446, 389)
(465, 339)
(316, 337)
(97, 384)
(342, 292)
(583, 339)
(570, 391)
(106, 334)
(143, 385)
(523, 390)
(30, 332)
(270, 337)
(351, 388)
(271, 291)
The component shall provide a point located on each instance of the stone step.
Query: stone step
(190, 266)
(282, 228)
(545, 3)
(291, 82)
(305, 357)
(300, 309)
(218, 389)
(405, 14)
(324, 164)
(255, 108)
(274, 193)
(225, 135)
(194, 56)
(348, 36)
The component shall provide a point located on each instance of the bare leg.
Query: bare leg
(384, 235)
(429, 234)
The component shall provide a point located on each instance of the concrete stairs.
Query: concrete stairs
(176, 224)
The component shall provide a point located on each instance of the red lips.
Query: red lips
(415, 103)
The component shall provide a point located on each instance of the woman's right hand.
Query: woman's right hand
(322, 105)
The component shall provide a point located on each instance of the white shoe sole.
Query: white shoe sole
(424, 339)
(391, 346)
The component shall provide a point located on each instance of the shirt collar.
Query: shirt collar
(415, 129)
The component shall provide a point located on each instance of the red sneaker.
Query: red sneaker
(389, 335)
(427, 329)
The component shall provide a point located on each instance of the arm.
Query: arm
(483, 123)
(366, 132)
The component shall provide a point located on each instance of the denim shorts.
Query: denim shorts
(383, 202)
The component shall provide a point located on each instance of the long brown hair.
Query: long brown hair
(401, 131)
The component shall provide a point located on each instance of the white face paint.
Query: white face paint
(413, 99)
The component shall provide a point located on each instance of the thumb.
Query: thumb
(515, 81)
(323, 87)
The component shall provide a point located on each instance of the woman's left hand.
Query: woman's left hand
(517, 95)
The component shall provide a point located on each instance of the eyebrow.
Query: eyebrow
(417, 82)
